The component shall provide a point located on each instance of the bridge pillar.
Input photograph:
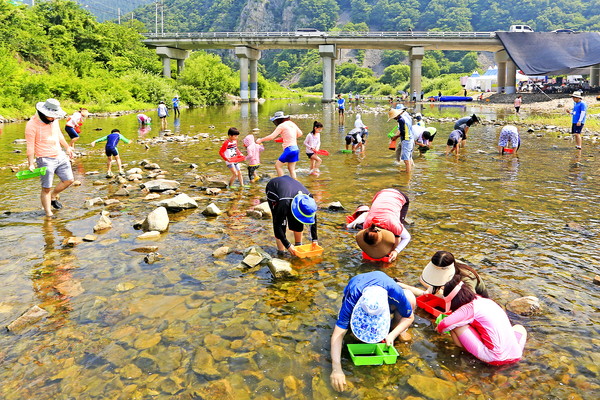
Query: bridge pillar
(501, 58)
(595, 75)
(169, 53)
(416, 68)
(511, 77)
(248, 61)
(328, 54)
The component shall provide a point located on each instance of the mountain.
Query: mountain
(111, 9)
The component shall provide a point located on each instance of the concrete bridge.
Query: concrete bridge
(248, 46)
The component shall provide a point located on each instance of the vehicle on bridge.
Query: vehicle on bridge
(309, 32)
(520, 28)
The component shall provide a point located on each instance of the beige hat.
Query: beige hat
(393, 113)
(437, 276)
(578, 94)
(384, 244)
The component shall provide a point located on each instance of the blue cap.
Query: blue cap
(304, 208)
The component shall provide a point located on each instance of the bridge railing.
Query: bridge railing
(316, 34)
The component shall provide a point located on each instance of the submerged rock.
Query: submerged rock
(433, 388)
(157, 220)
(30, 317)
(281, 268)
(151, 258)
(527, 305)
(121, 192)
(335, 206)
(217, 183)
(149, 235)
(92, 202)
(221, 252)
(254, 256)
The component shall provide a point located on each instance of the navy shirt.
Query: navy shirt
(355, 287)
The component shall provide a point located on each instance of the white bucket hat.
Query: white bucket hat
(50, 108)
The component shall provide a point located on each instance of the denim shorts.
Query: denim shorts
(61, 166)
(71, 132)
(407, 149)
(290, 154)
(235, 166)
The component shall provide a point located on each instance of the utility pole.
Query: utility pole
(162, 17)
(156, 19)
(119, 14)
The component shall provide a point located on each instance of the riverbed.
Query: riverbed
(193, 326)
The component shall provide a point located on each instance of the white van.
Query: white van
(520, 28)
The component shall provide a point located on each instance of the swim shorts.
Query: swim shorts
(234, 165)
(407, 149)
(71, 132)
(576, 129)
(509, 134)
(61, 166)
(309, 155)
(290, 154)
(111, 151)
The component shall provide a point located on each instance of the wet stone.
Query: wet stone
(203, 364)
(597, 279)
(70, 288)
(157, 220)
(124, 286)
(104, 222)
(93, 202)
(160, 185)
(73, 241)
(130, 371)
(221, 390)
(281, 268)
(152, 196)
(527, 305)
(151, 258)
(30, 317)
(145, 341)
(433, 388)
(212, 191)
(121, 192)
(335, 206)
(149, 235)
(217, 183)
(221, 252)
(212, 210)
(179, 202)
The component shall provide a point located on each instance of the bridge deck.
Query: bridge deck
(471, 41)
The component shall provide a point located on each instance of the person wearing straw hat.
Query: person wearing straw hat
(44, 140)
(368, 301)
(405, 148)
(440, 270)
(289, 132)
(292, 206)
(579, 114)
(384, 233)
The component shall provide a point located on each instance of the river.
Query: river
(191, 326)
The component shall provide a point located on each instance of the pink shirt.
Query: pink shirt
(289, 132)
(497, 339)
(43, 140)
(311, 142)
(518, 102)
(253, 149)
(385, 211)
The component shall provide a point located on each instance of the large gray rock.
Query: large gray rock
(152, 166)
(265, 210)
(527, 305)
(179, 202)
(104, 222)
(30, 317)
(157, 220)
(281, 268)
(135, 177)
(254, 256)
(335, 206)
(134, 171)
(221, 252)
(212, 210)
(160, 185)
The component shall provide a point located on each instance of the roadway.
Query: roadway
(469, 41)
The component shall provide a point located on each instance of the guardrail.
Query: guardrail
(316, 34)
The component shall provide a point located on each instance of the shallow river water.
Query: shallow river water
(191, 326)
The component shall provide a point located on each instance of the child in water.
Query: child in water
(112, 154)
(229, 152)
(253, 158)
(313, 143)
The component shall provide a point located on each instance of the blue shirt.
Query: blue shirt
(176, 102)
(341, 102)
(354, 290)
(112, 140)
(579, 112)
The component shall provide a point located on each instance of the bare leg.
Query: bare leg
(240, 178)
(73, 141)
(279, 168)
(292, 169)
(109, 165)
(578, 140)
(455, 333)
(408, 164)
(317, 162)
(119, 164)
(233, 176)
(297, 237)
(59, 188)
(45, 199)
(280, 245)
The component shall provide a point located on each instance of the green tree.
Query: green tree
(395, 74)
(209, 76)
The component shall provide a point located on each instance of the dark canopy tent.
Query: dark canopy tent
(551, 53)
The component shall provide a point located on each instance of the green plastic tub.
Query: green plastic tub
(372, 353)
(26, 174)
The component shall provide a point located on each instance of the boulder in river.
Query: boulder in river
(527, 305)
(255, 255)
(281, 268)
(160, 185)
(30, 317)
(221, 252)
(104, 222)
(433, 388)
(217, 183)
(212, 210)
(157, 220)
(179, 202)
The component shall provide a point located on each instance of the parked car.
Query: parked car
(520, 28)
(308, 32)
(563, 30)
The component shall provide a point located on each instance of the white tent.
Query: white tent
(489, 80)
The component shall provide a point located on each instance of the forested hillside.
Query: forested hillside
(111, 9)
(58, 49)
(379, 15)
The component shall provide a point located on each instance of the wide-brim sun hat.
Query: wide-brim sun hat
(50, 108)
(393, 113)
(577, 94)
(279, 115)
(304, 208)
(384, 244)
(437, 276)
(370, 321)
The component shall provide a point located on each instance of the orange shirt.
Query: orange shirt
(43, 140)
